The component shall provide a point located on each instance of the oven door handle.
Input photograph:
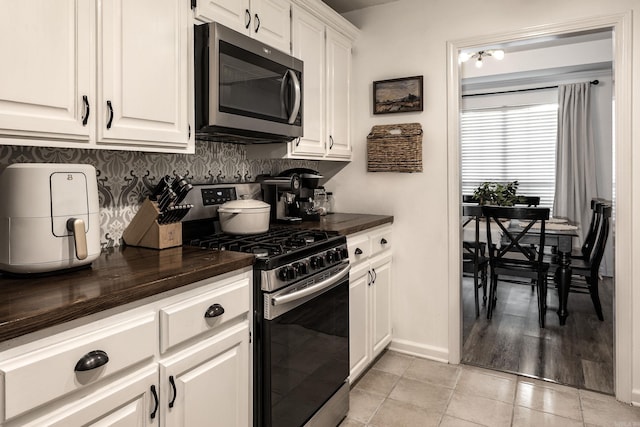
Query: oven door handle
(325, 284)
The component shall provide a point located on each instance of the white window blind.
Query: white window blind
(508, 144)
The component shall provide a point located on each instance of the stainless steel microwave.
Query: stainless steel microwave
(245, 90)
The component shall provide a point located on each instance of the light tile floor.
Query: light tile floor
(406, 391)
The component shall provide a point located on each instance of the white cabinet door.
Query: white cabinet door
(128, 402)
(338, 52)
(359, 336)
(266, 20)
(381, 302)
(271, 23)
(47, 68)
(143, 65)
(308, 45)
(208, 384)
(234, 14)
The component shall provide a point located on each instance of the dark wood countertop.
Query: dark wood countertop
(127, 274)
(346, 223)
(119, 276)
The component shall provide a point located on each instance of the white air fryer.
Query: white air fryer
(49, 217)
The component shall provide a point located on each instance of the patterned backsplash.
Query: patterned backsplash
(125, 178)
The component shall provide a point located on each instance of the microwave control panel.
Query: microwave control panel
(217, 196)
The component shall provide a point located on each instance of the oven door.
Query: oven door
(306, 347)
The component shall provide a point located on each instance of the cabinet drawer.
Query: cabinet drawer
(380, 240)
(186, 319)
(41, 375)
(359, 248)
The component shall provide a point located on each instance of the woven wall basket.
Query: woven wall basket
(395, 148)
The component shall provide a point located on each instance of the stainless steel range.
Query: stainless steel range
(301, 312)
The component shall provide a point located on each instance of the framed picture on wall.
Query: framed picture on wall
(397, 95)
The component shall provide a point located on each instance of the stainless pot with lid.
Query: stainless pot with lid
(245, 216)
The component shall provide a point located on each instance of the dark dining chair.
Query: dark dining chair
(531, 201)
(474, 259)
(514, 257)
(584, 253)
(589, 269)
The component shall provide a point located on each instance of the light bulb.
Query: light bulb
(464, 56)
(498, 54)
(479, 63)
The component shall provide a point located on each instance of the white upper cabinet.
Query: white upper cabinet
(338, 53)
(308, 45)
(143, 85)
(88, 74)
(47, 69)
(264, 20)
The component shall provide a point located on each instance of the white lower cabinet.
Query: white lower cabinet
(177, 361)
(369, 297)
(206, 385)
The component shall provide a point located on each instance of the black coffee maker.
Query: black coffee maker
(290, 194)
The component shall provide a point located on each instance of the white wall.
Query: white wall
(409, 38)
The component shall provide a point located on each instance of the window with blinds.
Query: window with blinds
(508, 144)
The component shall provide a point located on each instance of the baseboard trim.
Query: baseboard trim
(635, 397)
(412, 348)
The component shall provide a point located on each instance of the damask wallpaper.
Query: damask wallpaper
(125, 178)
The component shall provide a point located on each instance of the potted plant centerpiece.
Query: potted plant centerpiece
(495, 193)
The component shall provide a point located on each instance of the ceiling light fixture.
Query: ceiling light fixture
(480, 55)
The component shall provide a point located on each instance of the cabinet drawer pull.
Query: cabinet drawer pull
(375, 275)
(256, 19)
(383, 241)
(85, 119)
(175, 391)
(214, 311)
(330, 142)
(110, 114)
(358, 251)
(247, 18)
(370, 278)
(92, 360)
(154, 393)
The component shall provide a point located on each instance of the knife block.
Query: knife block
(144, 230)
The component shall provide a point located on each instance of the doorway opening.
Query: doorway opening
(545, 345)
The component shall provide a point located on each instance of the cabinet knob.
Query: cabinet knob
(214, 310)
(92, 360)
(383, 241)
(358, 251)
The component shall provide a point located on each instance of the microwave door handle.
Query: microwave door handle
(296, 90)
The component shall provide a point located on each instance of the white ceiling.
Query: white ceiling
(343, 6)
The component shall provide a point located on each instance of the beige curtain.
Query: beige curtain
(575, 157)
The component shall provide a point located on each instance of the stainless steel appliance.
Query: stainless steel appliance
(245, 91)
(49, 217)
(301, 313)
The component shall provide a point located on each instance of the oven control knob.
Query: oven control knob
(317, 262)
(344, 253)
(333, 256)
(287, 273)
(301, 268)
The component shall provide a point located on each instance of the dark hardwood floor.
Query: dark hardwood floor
(579, 353)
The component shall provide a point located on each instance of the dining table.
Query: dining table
(559, 235)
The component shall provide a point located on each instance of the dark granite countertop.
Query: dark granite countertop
(119, 276)
(127, 274)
